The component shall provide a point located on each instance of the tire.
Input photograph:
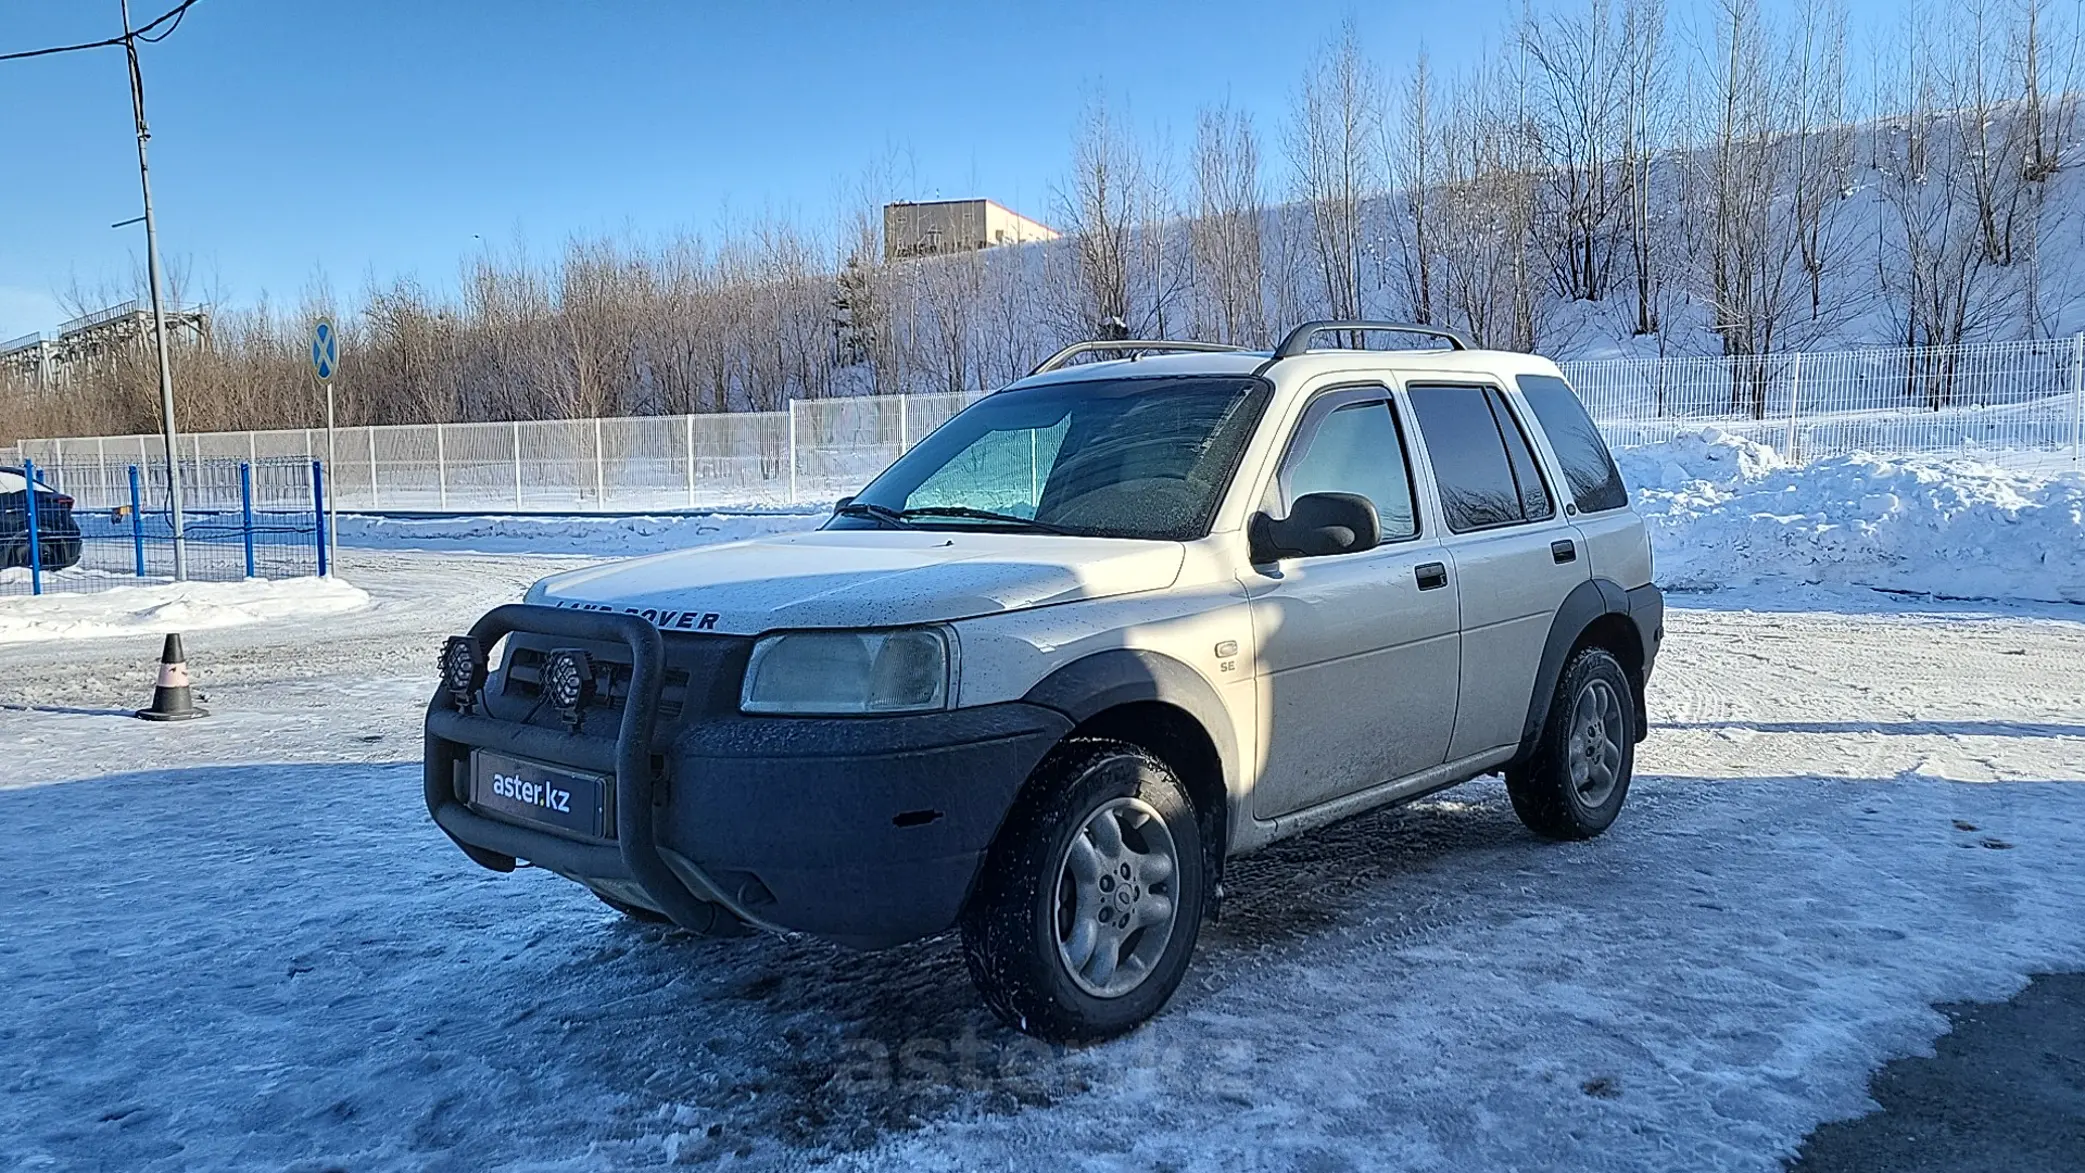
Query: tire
(1057, 881)
(1576, 781)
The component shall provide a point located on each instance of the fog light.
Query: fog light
(568, 681)
(463, 669)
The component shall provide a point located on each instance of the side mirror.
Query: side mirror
(1318, 524)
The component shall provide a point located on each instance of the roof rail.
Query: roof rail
(1298, 341)
(1132, 344)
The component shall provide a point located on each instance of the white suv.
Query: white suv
(1104, 630)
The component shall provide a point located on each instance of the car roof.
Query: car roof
(1301, 367)
(1221, 362)
(15, 470)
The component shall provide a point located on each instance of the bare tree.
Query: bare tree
(1578, 116)
(1414, 173)
(1225, 231)
(1016, 338)
(1099, 213)
(1333, 143)
(1943, 247)
(1820, 140)
(1754, 232)
(1118, 211)
(868, 287)
(1483, 213)
(1647, 116)
(2047, 58)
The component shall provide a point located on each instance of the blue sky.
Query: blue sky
(294, 141)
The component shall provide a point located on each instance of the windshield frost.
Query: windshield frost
(1123, 458)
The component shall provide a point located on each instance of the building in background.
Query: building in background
(951, 226)
(92, 339)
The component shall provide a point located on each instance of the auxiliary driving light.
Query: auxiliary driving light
(463, 669)
(568, 681)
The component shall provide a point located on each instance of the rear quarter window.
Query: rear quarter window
(1596, 484)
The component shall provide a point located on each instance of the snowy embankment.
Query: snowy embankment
(1724, 511)
(191, 606)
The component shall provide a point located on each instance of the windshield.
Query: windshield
(1113, 458)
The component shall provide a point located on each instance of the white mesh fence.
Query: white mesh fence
(2020, 403)
(2014, 403)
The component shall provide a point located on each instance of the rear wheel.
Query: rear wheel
(1086, 916)
(1574, 785)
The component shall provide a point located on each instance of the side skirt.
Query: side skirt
(1400, 790)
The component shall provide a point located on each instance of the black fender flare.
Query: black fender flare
(1588, 602)
(1096, 683)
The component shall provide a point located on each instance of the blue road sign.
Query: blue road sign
(325, 349)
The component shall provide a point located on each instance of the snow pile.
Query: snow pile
(189, 606)
(1712, 456)
(1725, 511)
(570, 534)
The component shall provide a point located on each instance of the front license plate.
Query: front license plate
(537, 793)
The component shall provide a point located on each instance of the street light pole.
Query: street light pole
(159, 320)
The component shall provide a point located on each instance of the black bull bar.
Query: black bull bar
(627, 760)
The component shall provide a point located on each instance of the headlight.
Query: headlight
(840, 672)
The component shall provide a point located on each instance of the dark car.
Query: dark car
(56, 531)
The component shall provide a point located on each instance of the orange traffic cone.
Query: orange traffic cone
(170, 698)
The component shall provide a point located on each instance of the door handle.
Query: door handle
(1563, 550)
(1431, 575)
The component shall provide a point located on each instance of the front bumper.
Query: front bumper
(867, 831)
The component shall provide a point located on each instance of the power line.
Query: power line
(173, 14)
(177, 14)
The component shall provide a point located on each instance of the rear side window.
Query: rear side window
(1595, 482)
(1534, 495)
(1355, 448)
(1481, 461)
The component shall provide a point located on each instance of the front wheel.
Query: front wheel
(1573, 786)
(1087, 912)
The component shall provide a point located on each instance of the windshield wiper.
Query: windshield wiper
(875, 512)
(985, 515)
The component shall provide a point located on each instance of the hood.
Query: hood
(862, 578)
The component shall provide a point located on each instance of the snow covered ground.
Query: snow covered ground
(239, 943)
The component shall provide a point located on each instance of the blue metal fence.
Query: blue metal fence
(242, 519)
